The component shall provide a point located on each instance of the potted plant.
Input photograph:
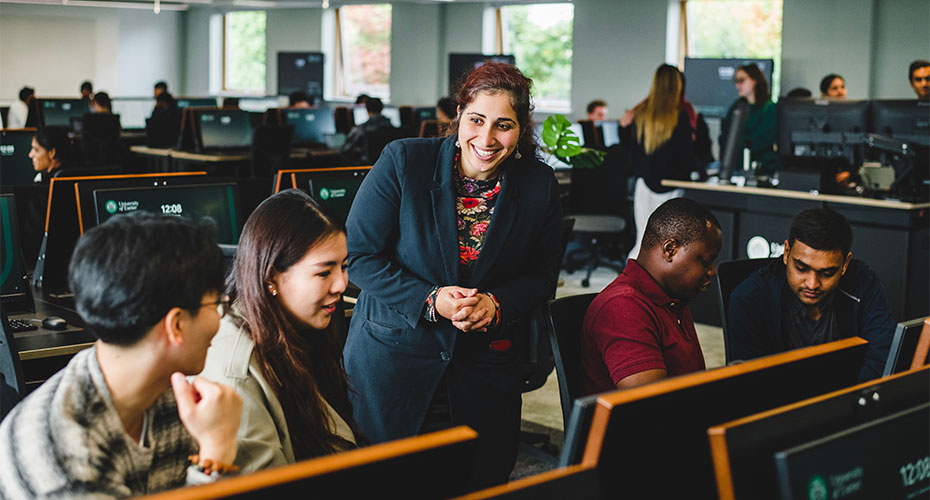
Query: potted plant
(560, 140)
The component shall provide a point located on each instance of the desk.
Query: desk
(219, 157)
(892, 237)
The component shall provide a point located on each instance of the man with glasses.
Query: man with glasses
(919, 76)
(121, 419)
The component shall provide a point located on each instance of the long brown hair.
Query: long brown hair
(657, 116)
(761, 88)
(301, 367)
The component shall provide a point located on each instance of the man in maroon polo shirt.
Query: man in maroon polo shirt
(639, 329)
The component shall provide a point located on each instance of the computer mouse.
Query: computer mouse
(54, 323)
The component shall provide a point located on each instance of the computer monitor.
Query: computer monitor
(709, 82)
(908, 120)
(133, 111)
(744, 450)
(886, 458)
(335, 190)
(423, 113)
(218, 202)
(822, 128)
(58, 112)
(15, 293)
(666, 422)
(903, 346)
(15, 164)
(311, 126)
(196, 102)
(461, 64)
(300, 72)
(610, 132)
(218, 129)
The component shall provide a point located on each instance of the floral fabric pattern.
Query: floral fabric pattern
(475, 200)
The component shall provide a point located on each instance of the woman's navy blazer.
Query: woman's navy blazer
(403, 240)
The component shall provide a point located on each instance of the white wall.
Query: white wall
(289, 30)
(901, 37)
(54, 48)
(415, 54)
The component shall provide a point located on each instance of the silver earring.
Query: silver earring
(457, 144)
(272, 290)
(517, 154)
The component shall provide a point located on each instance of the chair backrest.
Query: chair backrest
(729, 276)
(12, 385)
(376, 140)
(566, 316)
(576, 430)
(344, 119)
(271, 148)
(162, 130)
(100, 138)
(922, 353)
(429, 128)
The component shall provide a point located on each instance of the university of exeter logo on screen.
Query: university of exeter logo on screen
(817, 488)
(111, 206)
(324, 194)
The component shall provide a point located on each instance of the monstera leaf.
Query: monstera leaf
(560, 140)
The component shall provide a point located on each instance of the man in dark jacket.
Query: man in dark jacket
(357, 148)
(815, 294)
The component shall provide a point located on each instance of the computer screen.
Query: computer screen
(424, 113)
(908, 120)
(133, 111)
(13, 283)
(816, 127)
(196, 102)
(903, 346)
(219, 129)
(335, 191)
(886, 458)
(15, 164)
(300, 72)
(610, 132)
(709, 82)
(311, 126)
(217, 202)
(461, 64)
(58, 112)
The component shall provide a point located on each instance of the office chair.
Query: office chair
(4, 115)
(12, 384)
(344, 119)
(100, 139)
(429, 128)
(729, 276)
(271, 149)
(407, 120)
(376, 140)
(162, 130)
(566, 316)
(598, 202)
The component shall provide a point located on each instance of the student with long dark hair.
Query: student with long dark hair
(759, 130)
(276, 347)
(50, 153)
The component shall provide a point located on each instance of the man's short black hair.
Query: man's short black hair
(86, 85)
(683, 219)
(798, 92)
(597, 103)
(448, 106)
(374, 105)
(295, 98)
(127, 273)
(162, 85)
(103, 100)
(916, 65)
(821, 229)
(25, 93)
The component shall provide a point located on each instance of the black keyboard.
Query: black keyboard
(22, 325)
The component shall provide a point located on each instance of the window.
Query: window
(736, 28)
(363, 50)
(540, 38)
(244, 52)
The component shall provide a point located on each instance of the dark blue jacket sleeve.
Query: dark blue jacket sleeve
(749, 326)
(372, 230)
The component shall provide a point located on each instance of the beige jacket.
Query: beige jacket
(263, 440)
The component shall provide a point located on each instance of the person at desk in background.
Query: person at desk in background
(102, 104)
(299, 100)
(165, 104)
(87, 91)
(160, 87)
(445, 110)
(230, 104)
(639, 329)
(121, 419)
(355, 149)
(759, 130)
(661, 145)
(597, 110)
(278, 346)
(50, 153)
(833, 86)
(918, 74)
(815, 293)
(19, 110)
(437, 332)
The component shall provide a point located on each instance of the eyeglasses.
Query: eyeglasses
(222, 305)
(739, 81)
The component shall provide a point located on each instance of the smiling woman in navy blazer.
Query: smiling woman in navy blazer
(453, 243)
